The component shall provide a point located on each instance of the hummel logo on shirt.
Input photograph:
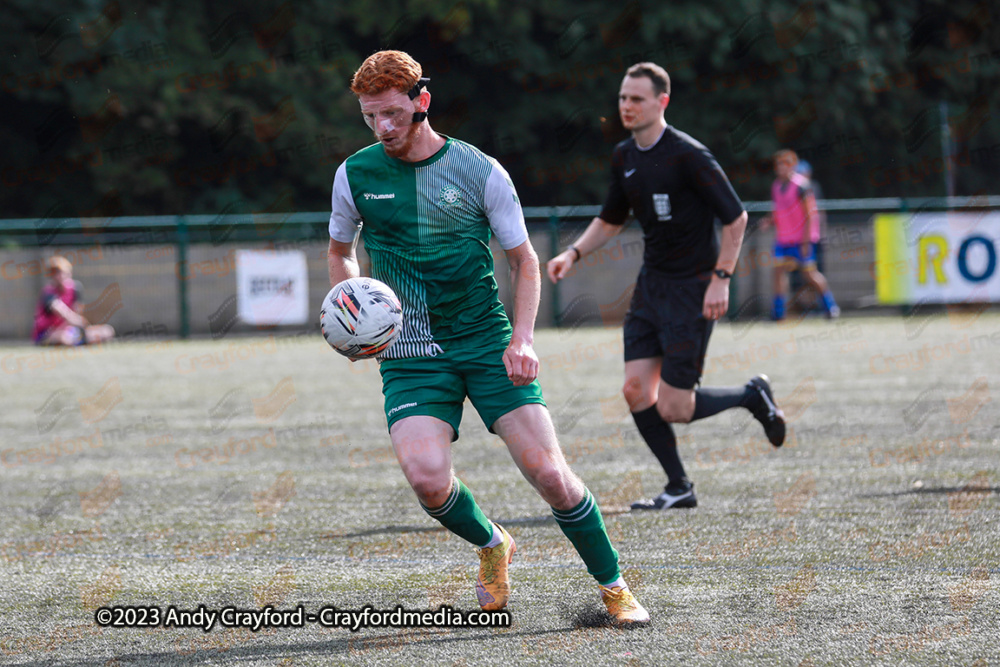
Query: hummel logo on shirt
(629, 173)
(369, 195)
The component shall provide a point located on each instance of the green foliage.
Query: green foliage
(189, 107)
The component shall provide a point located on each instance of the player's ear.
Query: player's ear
(423, 100)
(664, 101)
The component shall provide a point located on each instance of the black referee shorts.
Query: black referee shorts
(665, 320)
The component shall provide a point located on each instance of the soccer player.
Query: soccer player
(796, 234)
(426, 206)
(676, 190)
(57, 316)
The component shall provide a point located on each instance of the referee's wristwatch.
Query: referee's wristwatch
(722, 273)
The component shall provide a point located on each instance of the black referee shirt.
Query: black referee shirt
(676, 189)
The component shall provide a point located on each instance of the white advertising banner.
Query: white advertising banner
(937, 258)
(272, 287)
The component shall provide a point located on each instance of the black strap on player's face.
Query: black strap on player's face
(419, 116)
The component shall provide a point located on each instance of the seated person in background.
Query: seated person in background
(57, 317)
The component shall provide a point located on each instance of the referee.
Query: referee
(676, 190)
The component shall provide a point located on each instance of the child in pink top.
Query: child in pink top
(796, 234)
(57, 317)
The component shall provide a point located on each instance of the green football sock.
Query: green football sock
(584, 526)
(461, 515)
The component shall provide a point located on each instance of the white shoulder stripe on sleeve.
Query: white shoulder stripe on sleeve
(345, 221)
(504, 208)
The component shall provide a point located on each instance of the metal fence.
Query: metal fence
(175, 275)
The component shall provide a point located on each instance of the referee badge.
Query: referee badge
(661, 204)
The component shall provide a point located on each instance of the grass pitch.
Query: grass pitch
(257, 471)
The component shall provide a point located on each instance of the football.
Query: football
(361, 317)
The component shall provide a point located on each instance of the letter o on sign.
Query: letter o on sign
(991, 263)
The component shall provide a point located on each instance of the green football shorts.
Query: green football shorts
(437, 386)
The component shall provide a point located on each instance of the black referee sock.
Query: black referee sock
(710, 401)
(659, 435)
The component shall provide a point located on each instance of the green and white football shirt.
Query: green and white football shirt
(427, 226)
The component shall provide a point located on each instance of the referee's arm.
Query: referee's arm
(732, 242)
(598, 233)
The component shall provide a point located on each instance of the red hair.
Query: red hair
(386, 70)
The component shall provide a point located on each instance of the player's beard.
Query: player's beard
(401, 147)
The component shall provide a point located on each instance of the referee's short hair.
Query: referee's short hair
(655, 73)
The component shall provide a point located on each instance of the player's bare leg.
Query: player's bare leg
(820, 284)
(100, 333)
(423, 448)
(532, 442)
